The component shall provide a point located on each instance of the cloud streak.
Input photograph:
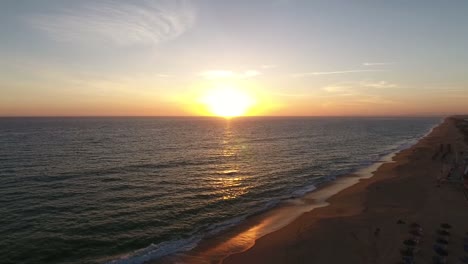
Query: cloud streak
(377, 63)
(355, 88)
(378, 85)
(222, 74)
(163, 75)
(361, 84)
(304, 74)
(269, 66)
(119, 23)
(358, 93)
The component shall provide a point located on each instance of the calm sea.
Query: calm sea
(85, 190)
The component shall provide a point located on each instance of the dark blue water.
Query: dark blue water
(85, 190)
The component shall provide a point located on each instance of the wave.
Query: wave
(117, 170)
(406, 144)
(156, 251)
(303, 191)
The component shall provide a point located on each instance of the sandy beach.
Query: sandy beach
(364, 222)
(368, 222)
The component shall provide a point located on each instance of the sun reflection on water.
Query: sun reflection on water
(232, 187)
(231, 181)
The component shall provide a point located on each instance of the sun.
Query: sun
(227, 102)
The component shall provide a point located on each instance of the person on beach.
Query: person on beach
(465, 177)
(377, 232)
(447, 177)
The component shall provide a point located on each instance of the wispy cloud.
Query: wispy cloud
(378, 84)
(162, 75)
(357, 88)
(304, 74)
(217, 74)
(120, 23)
(301, 95)
(360, 84)
(221, 74)
(340, 89)
(250, 73)
(356, 93)
(269, 66)
(377, 63)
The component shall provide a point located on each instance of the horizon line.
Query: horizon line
(221, 117)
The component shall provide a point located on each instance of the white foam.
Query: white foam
(303, 191)
(156, 251)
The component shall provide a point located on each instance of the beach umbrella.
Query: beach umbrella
(408, 252)
(464, 259)
(445, 225)
(438, 260)
(410, 242)
(407, 260)
(415, 233)
(442, 241)
(440, 251)
(443, 232)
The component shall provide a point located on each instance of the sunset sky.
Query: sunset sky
(280, 57)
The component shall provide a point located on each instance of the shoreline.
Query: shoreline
(404, 189)
(241, 238)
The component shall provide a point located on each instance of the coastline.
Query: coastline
(404, 189)
(237, 244)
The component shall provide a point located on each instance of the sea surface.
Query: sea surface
(125, 190)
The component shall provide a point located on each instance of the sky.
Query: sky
(291, 58)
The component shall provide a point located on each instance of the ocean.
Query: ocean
(126, 190)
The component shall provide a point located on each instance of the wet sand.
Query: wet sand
(346, 230)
